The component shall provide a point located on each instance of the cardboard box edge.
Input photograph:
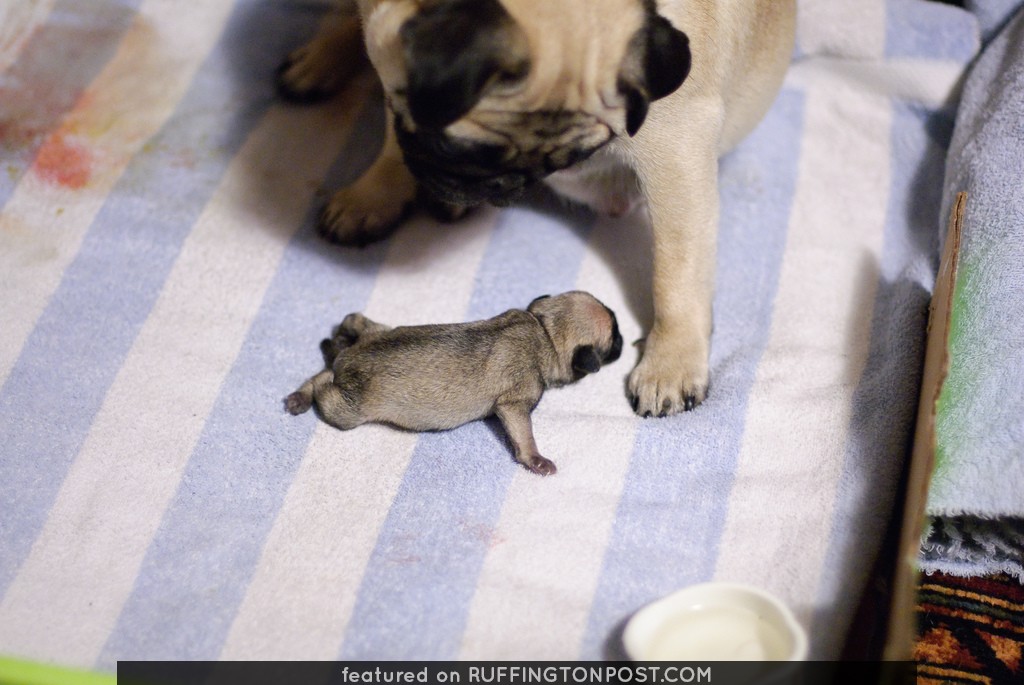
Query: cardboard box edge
(901, 634)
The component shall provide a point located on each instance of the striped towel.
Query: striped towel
(161, 289)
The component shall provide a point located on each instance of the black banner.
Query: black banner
(513, 673)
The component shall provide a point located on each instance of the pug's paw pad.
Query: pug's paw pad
(666, 382)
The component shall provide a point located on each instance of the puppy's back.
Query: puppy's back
(441, 376)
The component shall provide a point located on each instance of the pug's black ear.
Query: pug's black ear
(668, 57)
(453, 50)
(637, 102)
(657, 64)
(586, 360)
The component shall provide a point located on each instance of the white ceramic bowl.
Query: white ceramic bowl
(715, 622)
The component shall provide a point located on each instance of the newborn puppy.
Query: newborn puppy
(440, 376)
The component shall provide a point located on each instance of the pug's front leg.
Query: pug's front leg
(369, 209)
(515, 417)
(322, 66)
(681, 190)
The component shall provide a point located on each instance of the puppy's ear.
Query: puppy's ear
(455, 49)
(657, 63)
(586, 360)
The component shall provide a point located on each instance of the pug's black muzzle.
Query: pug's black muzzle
(470, 173)
(460, 189)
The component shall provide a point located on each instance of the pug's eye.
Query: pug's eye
(506, 79)
(513, 75)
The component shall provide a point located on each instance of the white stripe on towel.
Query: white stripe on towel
(344, 488)
(786, 479)
(71, 588)
(18, 24)
(847, 28)
(930, 82)
(588, 430)
(123, 107)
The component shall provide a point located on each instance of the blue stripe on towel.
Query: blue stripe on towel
(437, 531)
(56, 64)
(234, 485)
(87, 328)
(674, 501)
(885, 401)
(928, 30)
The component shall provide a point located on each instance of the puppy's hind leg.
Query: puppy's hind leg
(301, 400)
(355, 327)
(331, 402)
(515, 418)
(322, 66)
(337, 405)
(352, 329)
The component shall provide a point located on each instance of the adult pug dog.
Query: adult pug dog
(605, 100)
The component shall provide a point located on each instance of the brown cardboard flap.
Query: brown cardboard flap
(902, 627)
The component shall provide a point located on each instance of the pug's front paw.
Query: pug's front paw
(358, 218)
(301, 78)
(671, 377)
(322, 66)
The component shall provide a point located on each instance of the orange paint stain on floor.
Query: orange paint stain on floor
(63, 162)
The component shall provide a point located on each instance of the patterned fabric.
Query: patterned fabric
(971, 546)
(162, 288)
(970, 630)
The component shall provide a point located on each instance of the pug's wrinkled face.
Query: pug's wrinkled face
(490, 96)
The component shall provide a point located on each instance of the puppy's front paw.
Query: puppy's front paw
(541, 466)
(358, 219)
(671, 377)
(298, 403)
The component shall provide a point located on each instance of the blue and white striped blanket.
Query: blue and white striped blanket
(161, 289)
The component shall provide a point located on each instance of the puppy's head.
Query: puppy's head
(490, 96)
(585, 333)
